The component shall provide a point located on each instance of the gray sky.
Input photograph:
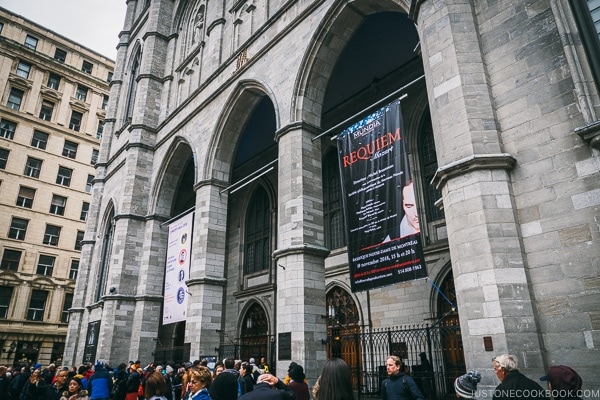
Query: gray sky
(93, 23)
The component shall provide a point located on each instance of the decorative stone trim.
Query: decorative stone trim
(590, 133)
(209, 280)
(305, 126)
(472, 163)
(305, 248)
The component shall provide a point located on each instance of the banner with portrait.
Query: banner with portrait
(177, 269)
(384, 240)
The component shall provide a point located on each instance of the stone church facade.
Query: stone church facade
(227, 109)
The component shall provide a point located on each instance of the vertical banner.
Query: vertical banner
(91, 342)
(384, 240)
(177, 269)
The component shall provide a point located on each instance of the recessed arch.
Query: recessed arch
(106, 245)
(254, 328)
(230, 126)
(172, 178)
(336, 30)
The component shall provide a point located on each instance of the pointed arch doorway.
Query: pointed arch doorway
(255, 341)
(343, 329)
(453, 356)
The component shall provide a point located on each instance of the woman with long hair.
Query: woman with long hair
(156, 387)
(335, 382)
(74, 391)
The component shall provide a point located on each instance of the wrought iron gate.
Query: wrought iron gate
(432, 355)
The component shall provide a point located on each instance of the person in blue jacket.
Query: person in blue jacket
(100, 383)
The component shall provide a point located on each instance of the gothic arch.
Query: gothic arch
(337, 28)
(255, 331)
(132, 70)
(170, 171)
(185, 21)
(250, 310)
(350, 308)
(105, 250)
(261, 184)
(230, 125)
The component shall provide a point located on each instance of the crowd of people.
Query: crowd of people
(226, 380)
(237, 380)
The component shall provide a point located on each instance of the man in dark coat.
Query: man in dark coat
(514, 385)
(60, 385)
(398, 385)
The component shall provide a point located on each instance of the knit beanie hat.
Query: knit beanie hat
(466, 385)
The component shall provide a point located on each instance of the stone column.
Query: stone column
(489, 266)
(300, 254)
(207, 271)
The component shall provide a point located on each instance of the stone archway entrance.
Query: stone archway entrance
(255, 340)
(453, 356)
(342, 323)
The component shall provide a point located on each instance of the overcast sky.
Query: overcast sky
(92, 23)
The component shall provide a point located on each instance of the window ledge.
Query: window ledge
(590, 133)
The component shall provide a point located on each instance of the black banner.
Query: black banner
(384, 240)
(91, 342)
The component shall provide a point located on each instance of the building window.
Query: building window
(85, 208)
(74, 269)
(5, 296)
(39, 140)
(60, 55)
(33, 167)
(15, 98)
(258, 233)
(78, 240)
(64, 176)
(75, 122)
(89, 183)
(132, 85)
(70, 149)
(58, 204)
(37, 305)
(64, 317)
(95, 154)
(100, 130)
(87, 67)
(81, 93)
(31, 42)
(18, 228)
(104, 102)
(110, 77)
(52, 235)
(45, 265)
(7, 129)
(10, 260)
(587, 16)
(106, 250)
(46, 110)
(1, 26)
(53, 81)
(429, 166)
(3, 158)
(25, 197)
(335, 229)
(23, 69)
